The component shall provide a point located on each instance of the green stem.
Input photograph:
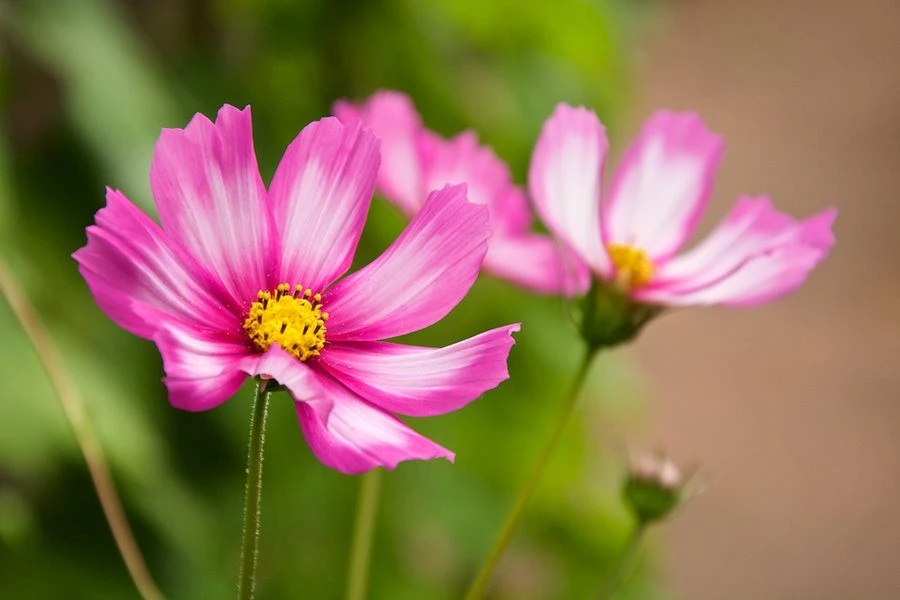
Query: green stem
(626, 562)
(480, 584)
(361, 551)
(253, 492)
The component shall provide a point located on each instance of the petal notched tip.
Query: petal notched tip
(568, 114)
(381, 107)
(818, 230)
(683, 129)
(575, 122)
(228, 118)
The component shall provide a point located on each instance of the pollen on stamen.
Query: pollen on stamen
(290, 316)
(633, 267)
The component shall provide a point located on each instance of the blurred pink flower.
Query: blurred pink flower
(238, 279)
(416, 160)
(658, 194)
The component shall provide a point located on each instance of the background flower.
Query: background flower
(417, 160)
(630, 233)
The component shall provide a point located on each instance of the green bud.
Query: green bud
(653, 489)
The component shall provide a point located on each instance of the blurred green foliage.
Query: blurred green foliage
(85, 86)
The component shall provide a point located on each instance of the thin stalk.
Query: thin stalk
(253, 491)
(626, 562)
(361, 551)
(76, 415)
(480, 584)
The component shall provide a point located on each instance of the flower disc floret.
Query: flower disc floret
(632, 265)
(292, 319)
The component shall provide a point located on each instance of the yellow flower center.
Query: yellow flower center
(633, 267)
(292, 319)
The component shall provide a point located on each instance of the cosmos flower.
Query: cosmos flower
(239, 281)
(632, 237)
(415, 160)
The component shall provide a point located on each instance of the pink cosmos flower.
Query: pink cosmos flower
(242, 281)
(658, 194)
(415, 160)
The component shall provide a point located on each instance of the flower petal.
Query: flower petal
(394, 120)
(538, 263)
(756, 254)
(344, 432)
(487, 178)
(422, 382)
(355, 437)
(202, 370)
(419, 278)
(565, 181)
(211, 198)
(751, 227)
(662, 185)
(320, 197)
(130, 263)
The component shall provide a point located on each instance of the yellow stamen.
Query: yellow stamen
(292, 319)
(633, 267)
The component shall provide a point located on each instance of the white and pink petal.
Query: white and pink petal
(202, 369)
(344, 431)
(662, 185)
(759, 280)
(211, 198)
(756, 254)
(134, 271)
(320, 197)
(424, 274)
(417, 381)
(354, 436)
(565, 180)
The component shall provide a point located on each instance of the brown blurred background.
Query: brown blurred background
(797, 419)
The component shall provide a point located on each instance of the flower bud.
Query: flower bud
(654, 488)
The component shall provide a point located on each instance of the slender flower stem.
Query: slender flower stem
(626, 562)
(76, 415)
(480, 584)
(361, 552)
(253, 491)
